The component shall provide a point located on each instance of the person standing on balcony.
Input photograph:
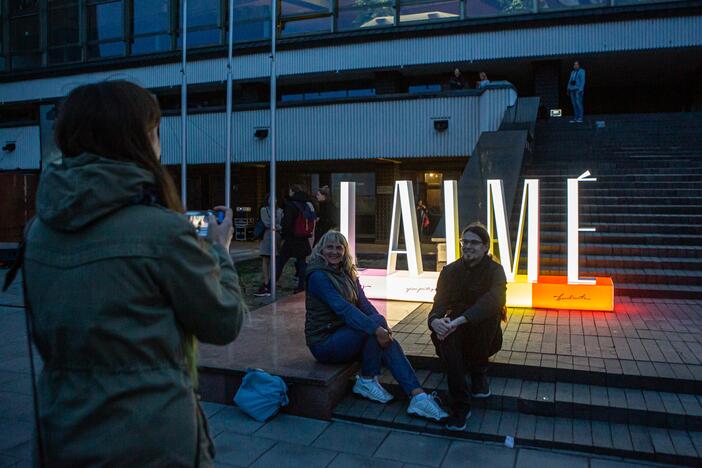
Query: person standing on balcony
(457, 81)
(576, 89)
(465, 320)
(483, 82)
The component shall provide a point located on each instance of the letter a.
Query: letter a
(403, 208)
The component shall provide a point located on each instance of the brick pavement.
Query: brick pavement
(650, 338)
(284, 441)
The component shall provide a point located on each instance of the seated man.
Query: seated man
(465, 320)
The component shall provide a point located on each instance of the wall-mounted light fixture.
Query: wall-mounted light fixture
(261, 133)
(441, 125)
(9, 147)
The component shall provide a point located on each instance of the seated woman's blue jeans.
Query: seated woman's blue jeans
(348, 344)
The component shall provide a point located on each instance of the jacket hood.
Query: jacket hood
(84, 188)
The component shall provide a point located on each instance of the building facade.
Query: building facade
(363, 85)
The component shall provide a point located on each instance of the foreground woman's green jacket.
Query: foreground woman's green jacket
(116, 286)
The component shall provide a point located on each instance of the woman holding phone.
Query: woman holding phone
(120, 291)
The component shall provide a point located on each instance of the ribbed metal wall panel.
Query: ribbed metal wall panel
(656, 33)
(390, 129)
(27, 153)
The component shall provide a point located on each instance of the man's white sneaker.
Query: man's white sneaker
(425, 405)
(371, 389)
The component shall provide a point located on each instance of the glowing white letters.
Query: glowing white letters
(347, 218)
(498, 223)
(403, 207)
(574, 228)
(451, 218)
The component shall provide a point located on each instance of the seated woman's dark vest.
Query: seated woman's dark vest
(320, 320)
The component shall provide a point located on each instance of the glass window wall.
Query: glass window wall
(106, 29)
(553, 5)
(479, 8)
(252, 20)
(151, 24)
(64, 32)
(25, 43)
(364, 14)
(429, 11)
(204, 23)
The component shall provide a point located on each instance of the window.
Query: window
(151, 25)
(204, 23)
(550, 5)
(475, 8)
(64, 32)
(355, 14)
(311, 16)
(24, 34)
(425, 88)
(252, 20)
(429, 11)
(106, 29)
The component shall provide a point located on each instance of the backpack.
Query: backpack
(305, 220)
(261, 395)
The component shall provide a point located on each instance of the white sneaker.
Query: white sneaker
(425, 405)
(371, 389)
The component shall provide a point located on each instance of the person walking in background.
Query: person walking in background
(264, 248)
(297, 226)
(576, 89)
(457, 80)
(327, 212)
(117, 312)
(423, 220)
(465, 320)
(483, 82)
(341, 325)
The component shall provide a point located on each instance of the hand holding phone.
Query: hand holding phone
(220, 232)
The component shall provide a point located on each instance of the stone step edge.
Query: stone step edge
(570, 409)
(578, 376)
(437, 429)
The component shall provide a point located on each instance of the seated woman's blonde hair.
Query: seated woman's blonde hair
(335, 237)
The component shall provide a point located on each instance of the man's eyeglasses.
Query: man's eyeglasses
(472, 243)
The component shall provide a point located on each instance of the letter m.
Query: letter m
(499, 229)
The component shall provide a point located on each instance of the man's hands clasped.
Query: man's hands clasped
(445, 326)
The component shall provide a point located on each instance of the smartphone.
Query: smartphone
(199, 220)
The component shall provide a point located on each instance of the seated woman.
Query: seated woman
(341, 325)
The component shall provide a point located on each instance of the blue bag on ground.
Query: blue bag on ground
(261, 395)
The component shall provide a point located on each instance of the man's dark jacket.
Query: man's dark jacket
(293, 245)
(478, 293)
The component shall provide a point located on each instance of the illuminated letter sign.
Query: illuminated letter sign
(534, 290)
(530, 200)
(574, 228)
(403, 208)
(451, 217)
(347, 218)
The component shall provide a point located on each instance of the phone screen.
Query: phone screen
(199, 220)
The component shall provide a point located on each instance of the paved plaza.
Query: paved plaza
(284, 441)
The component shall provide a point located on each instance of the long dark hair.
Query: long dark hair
(113, 119)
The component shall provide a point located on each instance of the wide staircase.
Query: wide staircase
(646, 204)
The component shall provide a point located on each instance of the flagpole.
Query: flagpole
(184, 107)
(273, 97)
(228, 167)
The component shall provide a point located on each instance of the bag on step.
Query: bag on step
(261, 395)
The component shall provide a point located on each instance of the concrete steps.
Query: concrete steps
(646, 204)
